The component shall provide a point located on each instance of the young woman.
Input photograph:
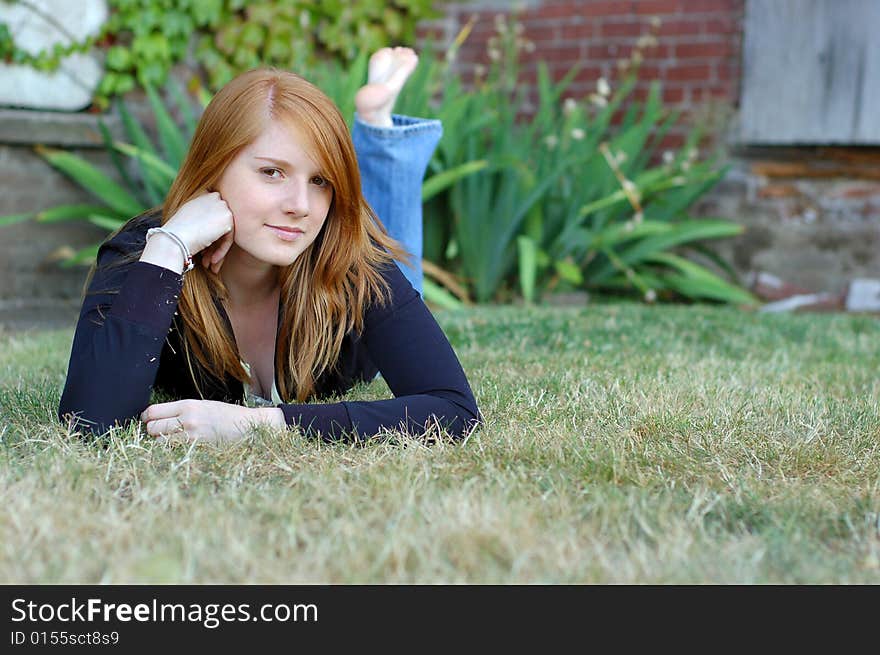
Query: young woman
(297, 295)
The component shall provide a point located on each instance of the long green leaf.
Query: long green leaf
(697, 281)
(85, 255)
(93, 180)
(183, 105)
(107, 222)
(11, 219)
(617, 233)
(135, 130)
(673, 203)
(528, 266)
(678, 234)
(114, 156)
(439, 296)
(717, 260)
(442, 181)
(164, 173)
(68, 213)
(138, 136)
(170, 135)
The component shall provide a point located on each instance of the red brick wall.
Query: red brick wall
(696, 57)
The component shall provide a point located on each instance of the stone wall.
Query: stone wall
(29, 251)
(811, 214)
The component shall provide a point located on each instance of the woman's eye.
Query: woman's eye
(320, 181)
(274, 173)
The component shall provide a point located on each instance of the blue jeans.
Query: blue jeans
(393, 161)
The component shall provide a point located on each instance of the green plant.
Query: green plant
(146, 37)
(567, 200)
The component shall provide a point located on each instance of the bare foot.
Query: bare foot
(389, 69)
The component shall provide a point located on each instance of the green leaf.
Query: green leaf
(696, 281)
(68, 213)
(439, 296)
(93, 180)
(676, 235)
(118, 58)
(11, 219)
(617, 233)
(184, 106)
(107, 222)
(107, 138)
(173, 142)
(163, 172)
(442, 181)
(528, 267)
(569, 272)
(137, 134)
(85, 255)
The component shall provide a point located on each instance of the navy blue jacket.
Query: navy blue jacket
(128, 343)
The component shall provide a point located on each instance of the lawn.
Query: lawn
(622, 444)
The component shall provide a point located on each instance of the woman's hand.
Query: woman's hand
(208, 420)
(205, 223)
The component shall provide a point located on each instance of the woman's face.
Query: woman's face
(278, 198)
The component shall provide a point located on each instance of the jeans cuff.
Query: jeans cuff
(403, 126)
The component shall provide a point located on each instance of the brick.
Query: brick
(714, 92)
(689, 72)
(600, 9)
(650, 72)
(704, 50)
(680, 27)
(727, 71)
(586, 75)
(856, 191)
(672, 141)
(658, 52)
(656, 7)
(779, 191)
(563, 52)
(641, 92)
(707, 6)
(673, 95)
(616, 28)
(609, 51)
(483, 29)
(579, 30)
(544, 32)
(722, 26)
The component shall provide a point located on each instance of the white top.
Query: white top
(253, 400)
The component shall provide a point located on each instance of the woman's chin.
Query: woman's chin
(274, 254)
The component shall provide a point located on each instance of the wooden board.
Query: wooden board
(811, 72)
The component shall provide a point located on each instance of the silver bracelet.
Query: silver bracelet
(188, 264)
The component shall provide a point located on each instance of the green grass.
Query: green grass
(622, 444)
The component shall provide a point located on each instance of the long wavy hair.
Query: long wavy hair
(325, 291)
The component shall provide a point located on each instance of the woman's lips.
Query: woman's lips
(286, 233)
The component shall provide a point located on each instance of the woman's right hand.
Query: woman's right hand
(204, 223)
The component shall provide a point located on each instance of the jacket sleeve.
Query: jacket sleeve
(118, 341)
(417, 361)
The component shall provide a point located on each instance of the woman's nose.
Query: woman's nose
(296, 199)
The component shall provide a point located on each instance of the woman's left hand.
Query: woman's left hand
(208, 420)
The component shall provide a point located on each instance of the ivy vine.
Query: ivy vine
(143, 39)
(48, 59)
